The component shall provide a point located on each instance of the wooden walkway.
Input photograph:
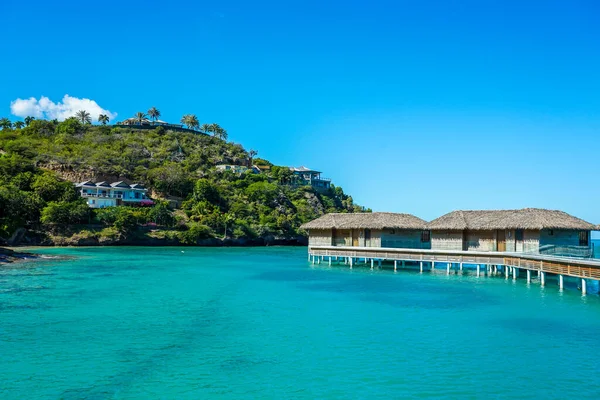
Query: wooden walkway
(510, 262)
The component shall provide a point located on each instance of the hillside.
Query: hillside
(195, 203)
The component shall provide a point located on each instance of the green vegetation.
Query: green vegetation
(194, 201)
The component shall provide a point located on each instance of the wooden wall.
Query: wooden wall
(531, 241)
(319, 237)
(480, 240)
(447, 240)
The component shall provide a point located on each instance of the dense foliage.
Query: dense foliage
(194, 200)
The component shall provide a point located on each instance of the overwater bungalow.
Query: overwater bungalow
(529, 230)
(378, 229)
(497, 242)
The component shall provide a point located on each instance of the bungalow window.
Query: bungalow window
(584, 238)
(519, 235)
(550, 232)
(425, 237)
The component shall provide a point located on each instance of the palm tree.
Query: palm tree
(28, 120)
(103, 119)
(19, 124)
(218, 132)
(205, 128)
(83, 116)
(139, 117)
(193, 122)
(5, 123)
(154, 113)
(227, 218)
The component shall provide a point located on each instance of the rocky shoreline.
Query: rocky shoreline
(10, 256)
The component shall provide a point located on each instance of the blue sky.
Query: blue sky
(411, 106)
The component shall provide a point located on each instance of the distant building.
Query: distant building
(104, 194)
(238, 169)
(148, 122)
(306, 176)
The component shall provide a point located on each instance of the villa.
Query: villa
(238, 169)
(378, 229)
(308, 177)
(148, 122)
(104, 194)
(528, 230)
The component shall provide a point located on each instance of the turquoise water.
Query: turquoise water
(139, 323)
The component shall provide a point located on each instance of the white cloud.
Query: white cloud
(45, 108)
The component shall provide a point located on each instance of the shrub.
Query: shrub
(194, 233)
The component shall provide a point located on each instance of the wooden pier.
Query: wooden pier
(510, 263)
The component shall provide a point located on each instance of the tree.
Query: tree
(19, 124)
(28, 120)
(218, 132)
(5, 123)
(205, 128)
(69, 126)
(252, 153)
(139, 117)
(103, 119)
(154, 113)
(62, 212)
(227, 219)
(191, 121)
(83, 116)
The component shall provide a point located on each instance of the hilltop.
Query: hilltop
(195, 203)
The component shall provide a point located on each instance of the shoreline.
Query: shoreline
(8, 255)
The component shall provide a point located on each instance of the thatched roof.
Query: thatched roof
(376, 220)
(527, 218)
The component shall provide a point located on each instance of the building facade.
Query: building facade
(368, 230)
(303, 176)
(530, 230)
(104, 194)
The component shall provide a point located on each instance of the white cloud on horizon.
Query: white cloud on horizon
(45, 108)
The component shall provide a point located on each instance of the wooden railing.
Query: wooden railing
(576, 267)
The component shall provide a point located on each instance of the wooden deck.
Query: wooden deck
(578, 268)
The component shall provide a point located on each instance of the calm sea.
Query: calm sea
(196, 323)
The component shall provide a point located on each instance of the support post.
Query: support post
(313, 260)
(478, 269)
(583, 286)
(351, 261)
(460, 266)
(395, 265)
(528, 276)
(506, 271)
(542, 278)
(432, 265)
(372, 263)
(421, 266)
(448, 268)
(330, 261)
(514, 274)
(561, 282)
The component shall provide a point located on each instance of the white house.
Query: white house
(104, 194)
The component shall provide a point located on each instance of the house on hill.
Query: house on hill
(105, 194)
(378, 229)
(303, 176)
